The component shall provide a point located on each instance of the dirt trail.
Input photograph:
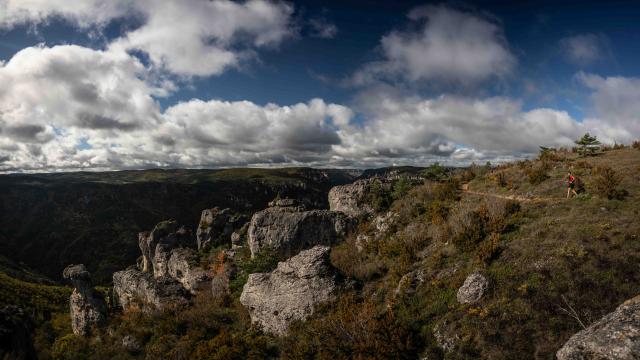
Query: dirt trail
(465, 189)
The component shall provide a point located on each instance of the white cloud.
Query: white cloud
(56, 99)
(585, 49)
(449, 45)
(616, 106)
(186, 37)
(453, 128)
(84, 13)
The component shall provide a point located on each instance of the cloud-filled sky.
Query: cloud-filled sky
(132, 84)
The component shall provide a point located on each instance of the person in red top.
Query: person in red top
(571, 184)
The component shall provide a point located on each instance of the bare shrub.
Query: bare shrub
(489, 249)
(537, 174)
(607, 182)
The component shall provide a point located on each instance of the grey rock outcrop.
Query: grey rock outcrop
(216, 227)
(351, 199)
(87, 307)
(183, 266)
(291, 291)
(473, 289)
(156, 246)
(288, 230)
(133, 287)
(615, 336)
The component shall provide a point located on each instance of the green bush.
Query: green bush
(378, 197)
(400, 188)
(435, 172)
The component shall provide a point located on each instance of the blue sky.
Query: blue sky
(318, 83)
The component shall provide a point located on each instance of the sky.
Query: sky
(136, 84)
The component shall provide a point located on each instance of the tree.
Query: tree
(435, 172)
(588, 145)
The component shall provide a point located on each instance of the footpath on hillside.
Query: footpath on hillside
(531, 198)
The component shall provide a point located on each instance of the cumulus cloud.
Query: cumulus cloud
(69, 107)
(616, 106)
(585, 49)
(83, 13)
(457, 129)
(449, 45)
(186, 37)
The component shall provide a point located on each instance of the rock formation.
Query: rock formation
(169, 272)
(183, 266)
(87, 307)
(289, 229)
(615, 336)
(291, 291)
(157, 244)
(473, 289)
(133, 287)
(351, 199)
(216, 227)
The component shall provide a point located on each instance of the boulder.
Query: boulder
(216, 226)
(351, 199)
(133, 287)
(473, 289)
(291, 291)
(288, 230)
(156, 246)
(87, 307)
(183, 266)
(615, 336)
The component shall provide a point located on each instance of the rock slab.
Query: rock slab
(615, 336)
(288, 230)
(135, 288)
(291, 291)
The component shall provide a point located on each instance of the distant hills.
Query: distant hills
(51, 220)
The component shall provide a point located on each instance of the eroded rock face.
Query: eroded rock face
(615, 336)
(351, 198)
(473, 289)
(183, 266)
(291, 291)
(288, 230)
(133, 287)
(216, 227)
(87, 307)
(156, 246)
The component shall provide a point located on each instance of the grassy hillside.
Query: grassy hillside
(554, 265)
(51, 220)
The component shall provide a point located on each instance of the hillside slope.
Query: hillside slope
(552, 265)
